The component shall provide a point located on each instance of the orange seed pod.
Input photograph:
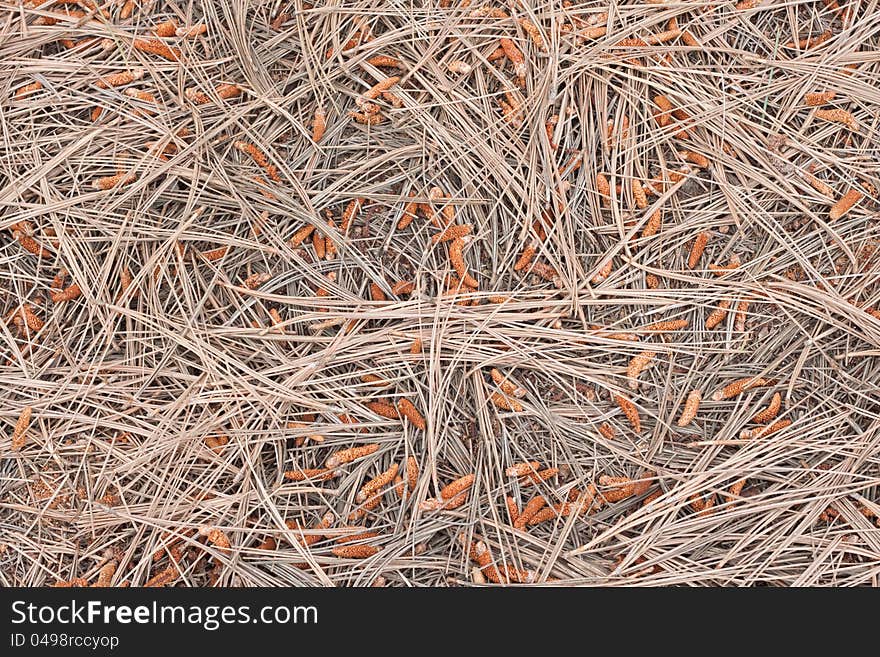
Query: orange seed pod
(355, 551)
(638, 364)
(460, 485)
(119, 180)
(383, 409)
(411, 413)
(718, 315)
(770, 412)
(762, 432)
(317, 474)
(844, 204)
(741, 385)
(319, 125)
(697, 249)
(19, 433)
(531, 508)
(691, 406)
(505, 403)
(376, 483)
(507, 386)
(630, 411)
(521, 469)
(350, 454)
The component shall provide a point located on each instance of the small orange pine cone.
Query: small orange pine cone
(539, 477)
(377, 90)
(737, 488)
(526, 256)
(223, 91)
(534, 33)
(521, 469)
(319, 124)
(451, 232)
(603, 273)
(411, 413)
(163, 578)
(638, 364)
(401, 288)
(301, 235)
(355, 551)
(412, 472)
(512, 509)
(703, 507)
(456, 257)
(378, 381)
(380, 61)
(838, 116)
(697, 249)
(119, 180)
(742, 310)
(762, 432)
(255, 280)
(770, 412)
(120, 79)
(507, 386)
(741, 385)
(844, 204)
(166, 29)
(361, 536)
(550, 513)
(604, 189)
(400, 487)
(157, 47)
(718, 315)
(691, 406)
(383, 409)
(409, 213)
(23, 91)
(19, 433)
(192, 31)
(214, 254)
(30, 318)
(216, 537)
(639, 195)
(352, 453)
(315, 474)
(607, 431)
(529, 510)
(653, 225)
(350, 213)
(663, 118)
(819, 98)
(652, 281)
(105, 575)
(269, 544)
(67, 294)
(458, 486)
(259, 157)
(416, 347)
(376, 483)
(629, 409)
(694, 158)
(376, 293)
(319, 244)
(505, 403)
(216, 443)
(665, 326)
(514, 55)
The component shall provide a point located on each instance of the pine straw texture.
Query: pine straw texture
(491, 186)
